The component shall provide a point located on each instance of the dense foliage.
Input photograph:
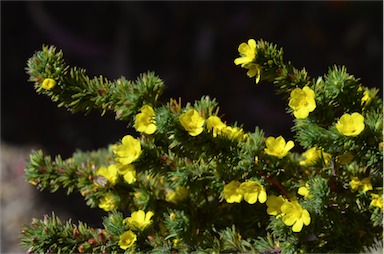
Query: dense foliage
(190, 182)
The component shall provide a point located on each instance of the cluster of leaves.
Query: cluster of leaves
(196, 168)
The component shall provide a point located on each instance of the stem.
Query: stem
(276, 184)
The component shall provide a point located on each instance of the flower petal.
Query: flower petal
(262, 196)
(298, 226)
(289, 145)
(306, 217)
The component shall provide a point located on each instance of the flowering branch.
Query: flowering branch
(189, 181)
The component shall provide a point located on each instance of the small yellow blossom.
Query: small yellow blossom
(366, 99)
(127, 239)
(172, 216)
(215, 125)
(233, 133)
(247, 52)
(218, 128)
(144, 121)
(232, 193)
(48, 84)
(128, 151)
(139, 220)
(304, 191)
(175, 242)
(107, 202)
(363, 184)
(109, 173)
(179, 194)
(33, 182)
(256, 160)
(351, 124)
(277, 146)
(247, 56)
(295, 215)
(192, 122)
(377, 200)
(274, 204)
(312, 155)
(128, 172)
(253, 191)
(302, 101)
(254, 70)
(130, 176)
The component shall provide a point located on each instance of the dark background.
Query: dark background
(190, 45)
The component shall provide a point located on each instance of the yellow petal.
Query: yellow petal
(297, 226)
(252, 43)
(130, 177)
(149, 215)
(262, 196)
(289, 219)
(250, 198)
(303, 191)
(306, 217)
(301, 113)
(289, 145)
(309, 92)
(150, 129)
(241, 60)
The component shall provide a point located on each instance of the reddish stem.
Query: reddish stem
(276, 184)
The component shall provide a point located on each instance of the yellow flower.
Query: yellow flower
(366, 184)
(253, 191)
(233, 133)
(130, 176)
(377, 200)
(277, 146)
(172, 216)
(302, 101)
(274, 204)
(48, 83)
(33, 182)
(215, 125)
(107, 202)
(295, 215)
(127, 239)
(144, 121)
(128, 172)
(139, 220)
(366, 99)
(247, 52)
(232, 192)
(312, 155)
(304, 191)
(109, 173)
(179, 194)
(351, 124)
(253, 70)
(247, 56)
(354, 183)
(192, 122)
(363, 185)
(128, 151)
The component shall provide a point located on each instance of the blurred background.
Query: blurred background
(190, 45)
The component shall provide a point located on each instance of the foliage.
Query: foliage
(190, 182)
